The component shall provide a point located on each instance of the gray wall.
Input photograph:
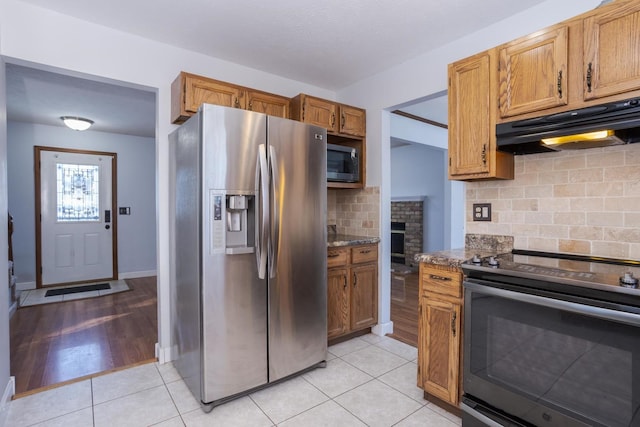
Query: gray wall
(135, 182)
(418, 170)
(6, 386)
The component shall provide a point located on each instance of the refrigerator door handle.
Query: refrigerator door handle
(262, 205)
(275, 232)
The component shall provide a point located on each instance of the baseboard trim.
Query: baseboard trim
(25, 286)
(137, 274)
(382, 329)
(163, 354)
(9, 391)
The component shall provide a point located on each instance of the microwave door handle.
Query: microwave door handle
(587, 310)
(262, 206)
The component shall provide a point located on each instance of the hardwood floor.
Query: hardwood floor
(58, 342)
(404, 307)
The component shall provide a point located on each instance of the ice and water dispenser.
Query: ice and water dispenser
(233, 223)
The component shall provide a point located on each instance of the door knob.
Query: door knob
(107, 226)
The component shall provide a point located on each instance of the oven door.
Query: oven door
(551, 361)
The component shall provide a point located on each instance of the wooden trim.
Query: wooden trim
(420, 119)
(38, 210)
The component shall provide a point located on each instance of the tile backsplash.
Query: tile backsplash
(355, 212)
(582, 202)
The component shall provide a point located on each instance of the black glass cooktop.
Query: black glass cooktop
(601, 273)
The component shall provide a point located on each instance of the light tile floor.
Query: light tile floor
(368, 381)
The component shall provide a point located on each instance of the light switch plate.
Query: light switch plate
(482, 211)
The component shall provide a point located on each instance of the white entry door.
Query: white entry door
(77, 221)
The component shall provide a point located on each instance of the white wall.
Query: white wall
(418, 170)
(135, 188)
(423, 76)
(116, 55)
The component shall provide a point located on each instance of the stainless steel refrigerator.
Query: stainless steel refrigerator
(249, 241)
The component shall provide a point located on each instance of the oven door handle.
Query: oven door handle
(587, 310)
(475, 413)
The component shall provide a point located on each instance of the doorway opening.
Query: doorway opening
(70, 340)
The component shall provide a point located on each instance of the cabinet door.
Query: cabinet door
(439, 341)
(470, 130)
(472, 121)
(611, 51)
(199, 91)
(364, 296)
(273, 105)
(352, 121)
(337, 302)
(533, 72)
(319, 112)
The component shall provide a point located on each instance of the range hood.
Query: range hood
(620, 120)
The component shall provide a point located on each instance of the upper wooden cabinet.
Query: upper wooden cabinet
(612, 50)
(335, 117)
(189, 92)
(472, 119)
(533, 72)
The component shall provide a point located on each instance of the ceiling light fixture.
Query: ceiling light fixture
(77, 123)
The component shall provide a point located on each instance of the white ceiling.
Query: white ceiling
(328, 43)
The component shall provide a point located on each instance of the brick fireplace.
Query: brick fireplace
(407, 218)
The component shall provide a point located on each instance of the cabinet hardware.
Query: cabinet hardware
(333, 255)
(345, 282)
(333, 119)
(365, 251)
(303, 105)
(355, 280)
(484, 154)
(589, 76)
(434, 277)
(453, 324)
(342, 122)
(251, 106)
(237, 103)
(560, 84)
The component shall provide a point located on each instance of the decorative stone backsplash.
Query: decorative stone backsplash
(581, 202)
(355, 212)
(489, 242)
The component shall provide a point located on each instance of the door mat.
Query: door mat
(69, 293)
(76, 289)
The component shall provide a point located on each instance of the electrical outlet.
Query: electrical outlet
(482, 211)
(124, 211)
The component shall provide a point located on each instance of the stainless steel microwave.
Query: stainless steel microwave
(343, 163)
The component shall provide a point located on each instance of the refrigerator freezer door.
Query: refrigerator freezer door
(298, 247)
(234, 299)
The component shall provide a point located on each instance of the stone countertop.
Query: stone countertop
(336, 240)
(475, 244)
(452, 257)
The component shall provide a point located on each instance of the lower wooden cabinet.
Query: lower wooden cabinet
(352, 289)
(440, 332)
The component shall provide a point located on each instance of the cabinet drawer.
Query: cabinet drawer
(364, 254)
(442, 282)
(337, 257)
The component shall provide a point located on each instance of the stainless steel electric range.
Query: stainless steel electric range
(551, 340)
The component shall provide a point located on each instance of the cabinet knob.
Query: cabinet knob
(589, 76)
(484, 154)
